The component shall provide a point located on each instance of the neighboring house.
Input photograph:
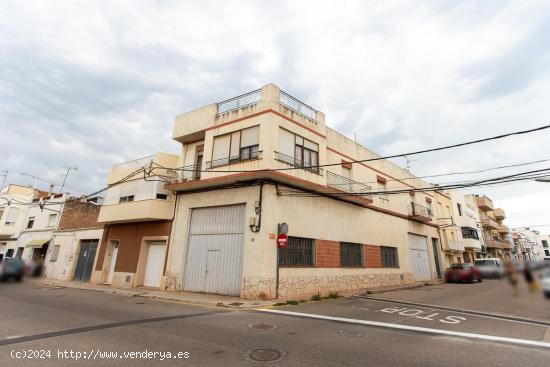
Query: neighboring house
(451, 240)
(545, 242)
(137, 214)
(467, 219)
(75, 242)
(344, 231)
(495, 234)
(41, 221)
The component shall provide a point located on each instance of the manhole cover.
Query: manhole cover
(349, 333)
(262, 326)
(266, 354)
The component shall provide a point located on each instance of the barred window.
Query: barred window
(351, 254)
(299, 252)
(389, 257)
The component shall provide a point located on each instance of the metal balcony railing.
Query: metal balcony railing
(298, 106)
(239, 101)
(243, 157)
(489, 222)
(417, 210)
(346, 184)
(298, 163)
(190, 173)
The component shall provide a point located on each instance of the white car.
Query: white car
(490, 267)
(545, 283)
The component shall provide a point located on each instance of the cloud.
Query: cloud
(90, 84)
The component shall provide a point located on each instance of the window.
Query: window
(547, 252)
(351, 254)
(55, 253)
(459, 207)
(30, 223)
(469, 232)
(19, 252)
(298, 151)
(13, 213)
(162, 196)
(299, 252)
(237, 146)
(389, 257)
(9, 253)
(51, 220)
(544, 243)
(1, 213)
(125, 199)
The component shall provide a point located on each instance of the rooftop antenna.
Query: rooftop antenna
(408, 162)
(66, 175)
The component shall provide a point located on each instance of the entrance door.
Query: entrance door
(419, 260)
(155, 264)
(85, 262)
(114, 251)
(215, 250)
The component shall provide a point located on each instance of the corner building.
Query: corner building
(252, 163)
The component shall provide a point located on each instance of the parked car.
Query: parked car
(462, 273)
(12, 268)
(490, 267)
(545, 283)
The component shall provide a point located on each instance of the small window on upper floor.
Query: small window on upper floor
(162, 196)
(235, 147)
(13, 213)
(298, 151)
(51, 220)
(30, 223)
(125, 199)
(459, 207)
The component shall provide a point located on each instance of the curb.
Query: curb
(468, 312)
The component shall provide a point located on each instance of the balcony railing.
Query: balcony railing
(455, 245)
(489, 222)
(484, 203)
(492, 243)
(239, 102)
(247, 155)
(503, 229)
(420, 212)
(190, 173)
(298, 163)
(298, 106)
(346, 184)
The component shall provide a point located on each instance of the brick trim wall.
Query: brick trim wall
(372, 256)
(327, 254)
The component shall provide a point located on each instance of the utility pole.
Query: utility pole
(66, 175)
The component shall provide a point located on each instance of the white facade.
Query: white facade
(14, 204)
(62, 265)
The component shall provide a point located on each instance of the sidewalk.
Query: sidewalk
(201, 299)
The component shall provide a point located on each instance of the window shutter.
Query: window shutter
(235, 144)
(311, 145)
(221, 149)
(250, 136)
(286, 143)
(13, 213)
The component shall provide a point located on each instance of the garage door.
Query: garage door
(85, 261)
(419, 257)
(155, 264)
(215, 250)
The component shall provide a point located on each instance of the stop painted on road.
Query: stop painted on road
(423, 315)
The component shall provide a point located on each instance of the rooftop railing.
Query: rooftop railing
(298, 106)
(239, 101)
(417, 210)
(346, 184)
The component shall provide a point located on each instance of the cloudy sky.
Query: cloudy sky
(87, 84)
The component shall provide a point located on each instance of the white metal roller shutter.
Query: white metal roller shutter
(419, 257)
(155, 264)
(215, 250)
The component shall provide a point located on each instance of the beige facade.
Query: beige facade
(269, 142)
(451, 239)
(495, 234)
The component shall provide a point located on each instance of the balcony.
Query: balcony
(345, 184)
(453, 245)
(239, 102)
(420, 213)
(499, 214)
(137, 211)
(505, 245)
(291, 161)
(297, 106)
(484, 203)
(502, 229)
(492, 243)
(489, 222)
(244, 156)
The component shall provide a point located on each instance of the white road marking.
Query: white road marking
(414, 328)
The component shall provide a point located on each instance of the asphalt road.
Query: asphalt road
(42, 321)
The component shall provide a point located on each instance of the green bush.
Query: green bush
(294, 303)
(333, 295)
(316, 297)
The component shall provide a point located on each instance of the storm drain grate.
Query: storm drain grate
(266, 355)
(262, 326)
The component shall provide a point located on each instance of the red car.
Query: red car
(462, 273)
